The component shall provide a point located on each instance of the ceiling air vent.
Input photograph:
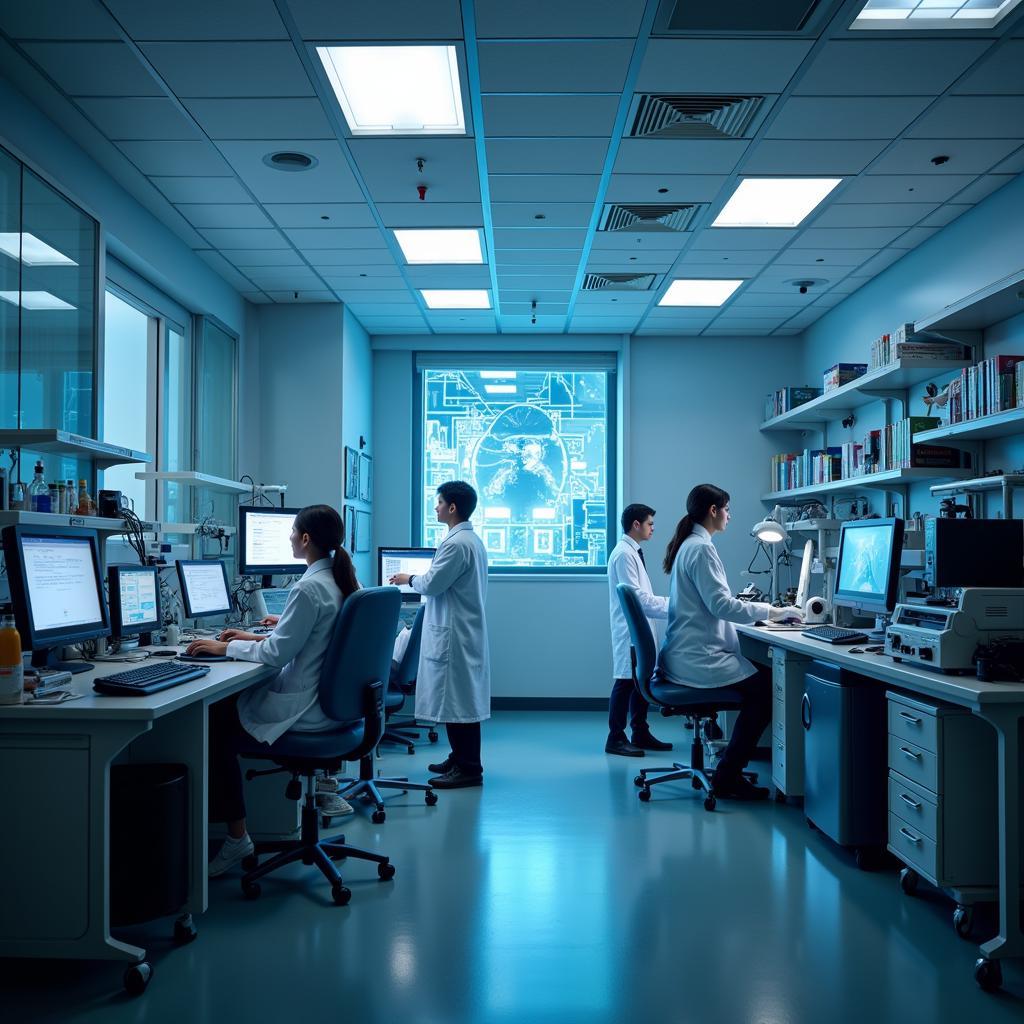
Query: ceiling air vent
(618, 282)
(647, 217)
(662, 116)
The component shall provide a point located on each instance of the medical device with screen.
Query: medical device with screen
(263, 541)
(413, 561)
(134, 593)
(204, 588)
(868, 570)
(56, 589)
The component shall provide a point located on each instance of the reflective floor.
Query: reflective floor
(553, 894)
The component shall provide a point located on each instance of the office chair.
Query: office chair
(698, 706)
(351, 693)
(403, 729)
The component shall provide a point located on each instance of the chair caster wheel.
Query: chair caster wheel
(385, 872)
(963, 921)
(710, 803)
(251, 890)
(136, 978)
(341, 894)
(638, 780)
(645, 794)
(432, 736)
(988, 974)
(185, 930)
(378, 817)
(908, 882)
(430, 798)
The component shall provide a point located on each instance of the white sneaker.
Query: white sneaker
(330, 805)
(232, 852)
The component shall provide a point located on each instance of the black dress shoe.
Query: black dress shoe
(738, 789)
(456, 778)
(442, 767)
(622, 747)
(647, 741)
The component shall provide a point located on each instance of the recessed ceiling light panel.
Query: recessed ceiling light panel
(698, 292)
(773, 202)
(397, 90)
(440, 245)
(35, 300)
(32, 251)
(456, 298)
(926, 15)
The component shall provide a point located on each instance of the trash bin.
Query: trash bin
(148, 841)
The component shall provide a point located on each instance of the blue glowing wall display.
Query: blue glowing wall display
(534, 444)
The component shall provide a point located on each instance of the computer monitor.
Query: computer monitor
(134, 595)
(414, 561)
(204, 588)
(868, 570)
(263, 541)
(56, 590)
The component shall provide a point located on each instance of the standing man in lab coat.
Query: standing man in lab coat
(454, 680)
(626, 565)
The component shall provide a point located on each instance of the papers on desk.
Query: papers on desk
(54, 697)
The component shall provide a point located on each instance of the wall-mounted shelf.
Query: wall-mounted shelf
(213, 483)
(1000, 424)
(63, 442)
(890, 479)
(1006, 483)
(191, 528)
(898, 376)
(100, 523)
(987, 306)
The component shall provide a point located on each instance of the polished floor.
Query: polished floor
(552, 895)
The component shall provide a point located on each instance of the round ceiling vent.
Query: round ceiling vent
(288, 161)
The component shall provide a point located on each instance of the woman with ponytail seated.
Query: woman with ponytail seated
(290, 700)
(701, 648)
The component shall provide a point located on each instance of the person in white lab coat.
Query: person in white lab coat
(290, 700)
(701, 648)
(453, 683)
(626, 564)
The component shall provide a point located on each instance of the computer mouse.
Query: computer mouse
(163, 654)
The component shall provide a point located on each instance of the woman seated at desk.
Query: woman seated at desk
(701, 648)
(290, 700)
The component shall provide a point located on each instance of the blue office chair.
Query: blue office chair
(352, 681)
(402, 684)
(697, 705)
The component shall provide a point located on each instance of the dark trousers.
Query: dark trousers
(755, 714)
(625, 696)
(464, 738)
(227, 737)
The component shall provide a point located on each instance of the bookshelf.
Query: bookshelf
(1005, 483)
(999, 424)
(888, 480)
(987, 306)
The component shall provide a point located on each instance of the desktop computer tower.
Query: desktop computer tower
(974, 552)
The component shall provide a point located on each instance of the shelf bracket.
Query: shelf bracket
(892, 396)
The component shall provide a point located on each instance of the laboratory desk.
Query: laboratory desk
(55, 798)
(1001, 704)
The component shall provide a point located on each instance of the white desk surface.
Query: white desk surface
(964, 690)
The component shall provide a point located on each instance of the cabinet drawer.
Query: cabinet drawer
(916, 763)
(914, 809)
(912, 846)
(911, 723)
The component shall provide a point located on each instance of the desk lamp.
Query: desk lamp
(772, 530)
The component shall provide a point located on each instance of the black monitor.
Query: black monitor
(414, 561)
(868, 570)
(134, 595)
(204, 588)
(264, 547)
(56, 590)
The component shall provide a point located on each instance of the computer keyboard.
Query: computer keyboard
(139, 682)
(835, 635)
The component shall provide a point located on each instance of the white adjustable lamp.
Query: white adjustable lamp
(772, 530)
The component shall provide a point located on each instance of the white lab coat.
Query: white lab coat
(297, 647)
(701, 647)
(624, 566)
(453, 683)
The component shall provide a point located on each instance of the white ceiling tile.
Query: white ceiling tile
(524, 307)
(845, 238)
(262, 118)
(138, 117)
(905, 188)
(622, 263)
(543, 325)
(865, 215)
(708, 65)
(539, 238)
(585, 65)
(552, 285)
(289, 297)
(367, 285)
(914, 156)
(744, 238)
(746, 257)
(279, 278)
(330, 181)
(245, 258)
(563, 116)
(186, 158)
(544, 188)
(336, 238)
(199, 19)
(664, 244)
(537, 257)
(886, 258)
(1000, 72)
(727, 320)
(312, 215)
(225, 270)
(331, 21)
(540, 295)
(681, 188)
(729, 269)
(449, 277)
(555, 215)
(834, 117)
(619, 298)
(76, 20)
(828, 257)
(810, 157)
(1011, 165)
(202, 190)
(94, 69)
(849, 285)
(389, 168)
(945, 215)
(244, 238)
(224, 215)
(891, 67)
(779, 277)
(362, 259)
(550, 20)
(230, 69)
(546, 156)
(973, 117)
(914, 237)
(679, 156)
(431, 215)
(984, 186)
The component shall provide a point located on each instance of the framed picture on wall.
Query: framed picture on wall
(351, 473)
(365, 478)
(350, 528)
(362, 531)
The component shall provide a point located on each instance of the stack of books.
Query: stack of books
(903, 345)
(994, 385)
(785, 399)
(842, 373)
(891, 447)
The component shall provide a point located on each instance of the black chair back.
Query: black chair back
(359, 653)
(410, 663)
(645, 653)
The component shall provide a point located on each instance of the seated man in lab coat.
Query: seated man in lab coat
(453, 684)
(626, 565)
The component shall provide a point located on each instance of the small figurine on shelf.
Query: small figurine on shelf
(936, 401)
(86, 506)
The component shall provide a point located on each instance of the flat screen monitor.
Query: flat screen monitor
(134, 594)
(204, 588)
(56, 589)
(263, 541)
(414, 561)
(867, 574)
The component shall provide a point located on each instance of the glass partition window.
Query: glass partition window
(175, 421)
(534, 444)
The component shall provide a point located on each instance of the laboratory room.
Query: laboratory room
(512, 513)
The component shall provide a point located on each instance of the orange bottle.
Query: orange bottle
(12, 673)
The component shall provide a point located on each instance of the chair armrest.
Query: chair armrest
(373, 717)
